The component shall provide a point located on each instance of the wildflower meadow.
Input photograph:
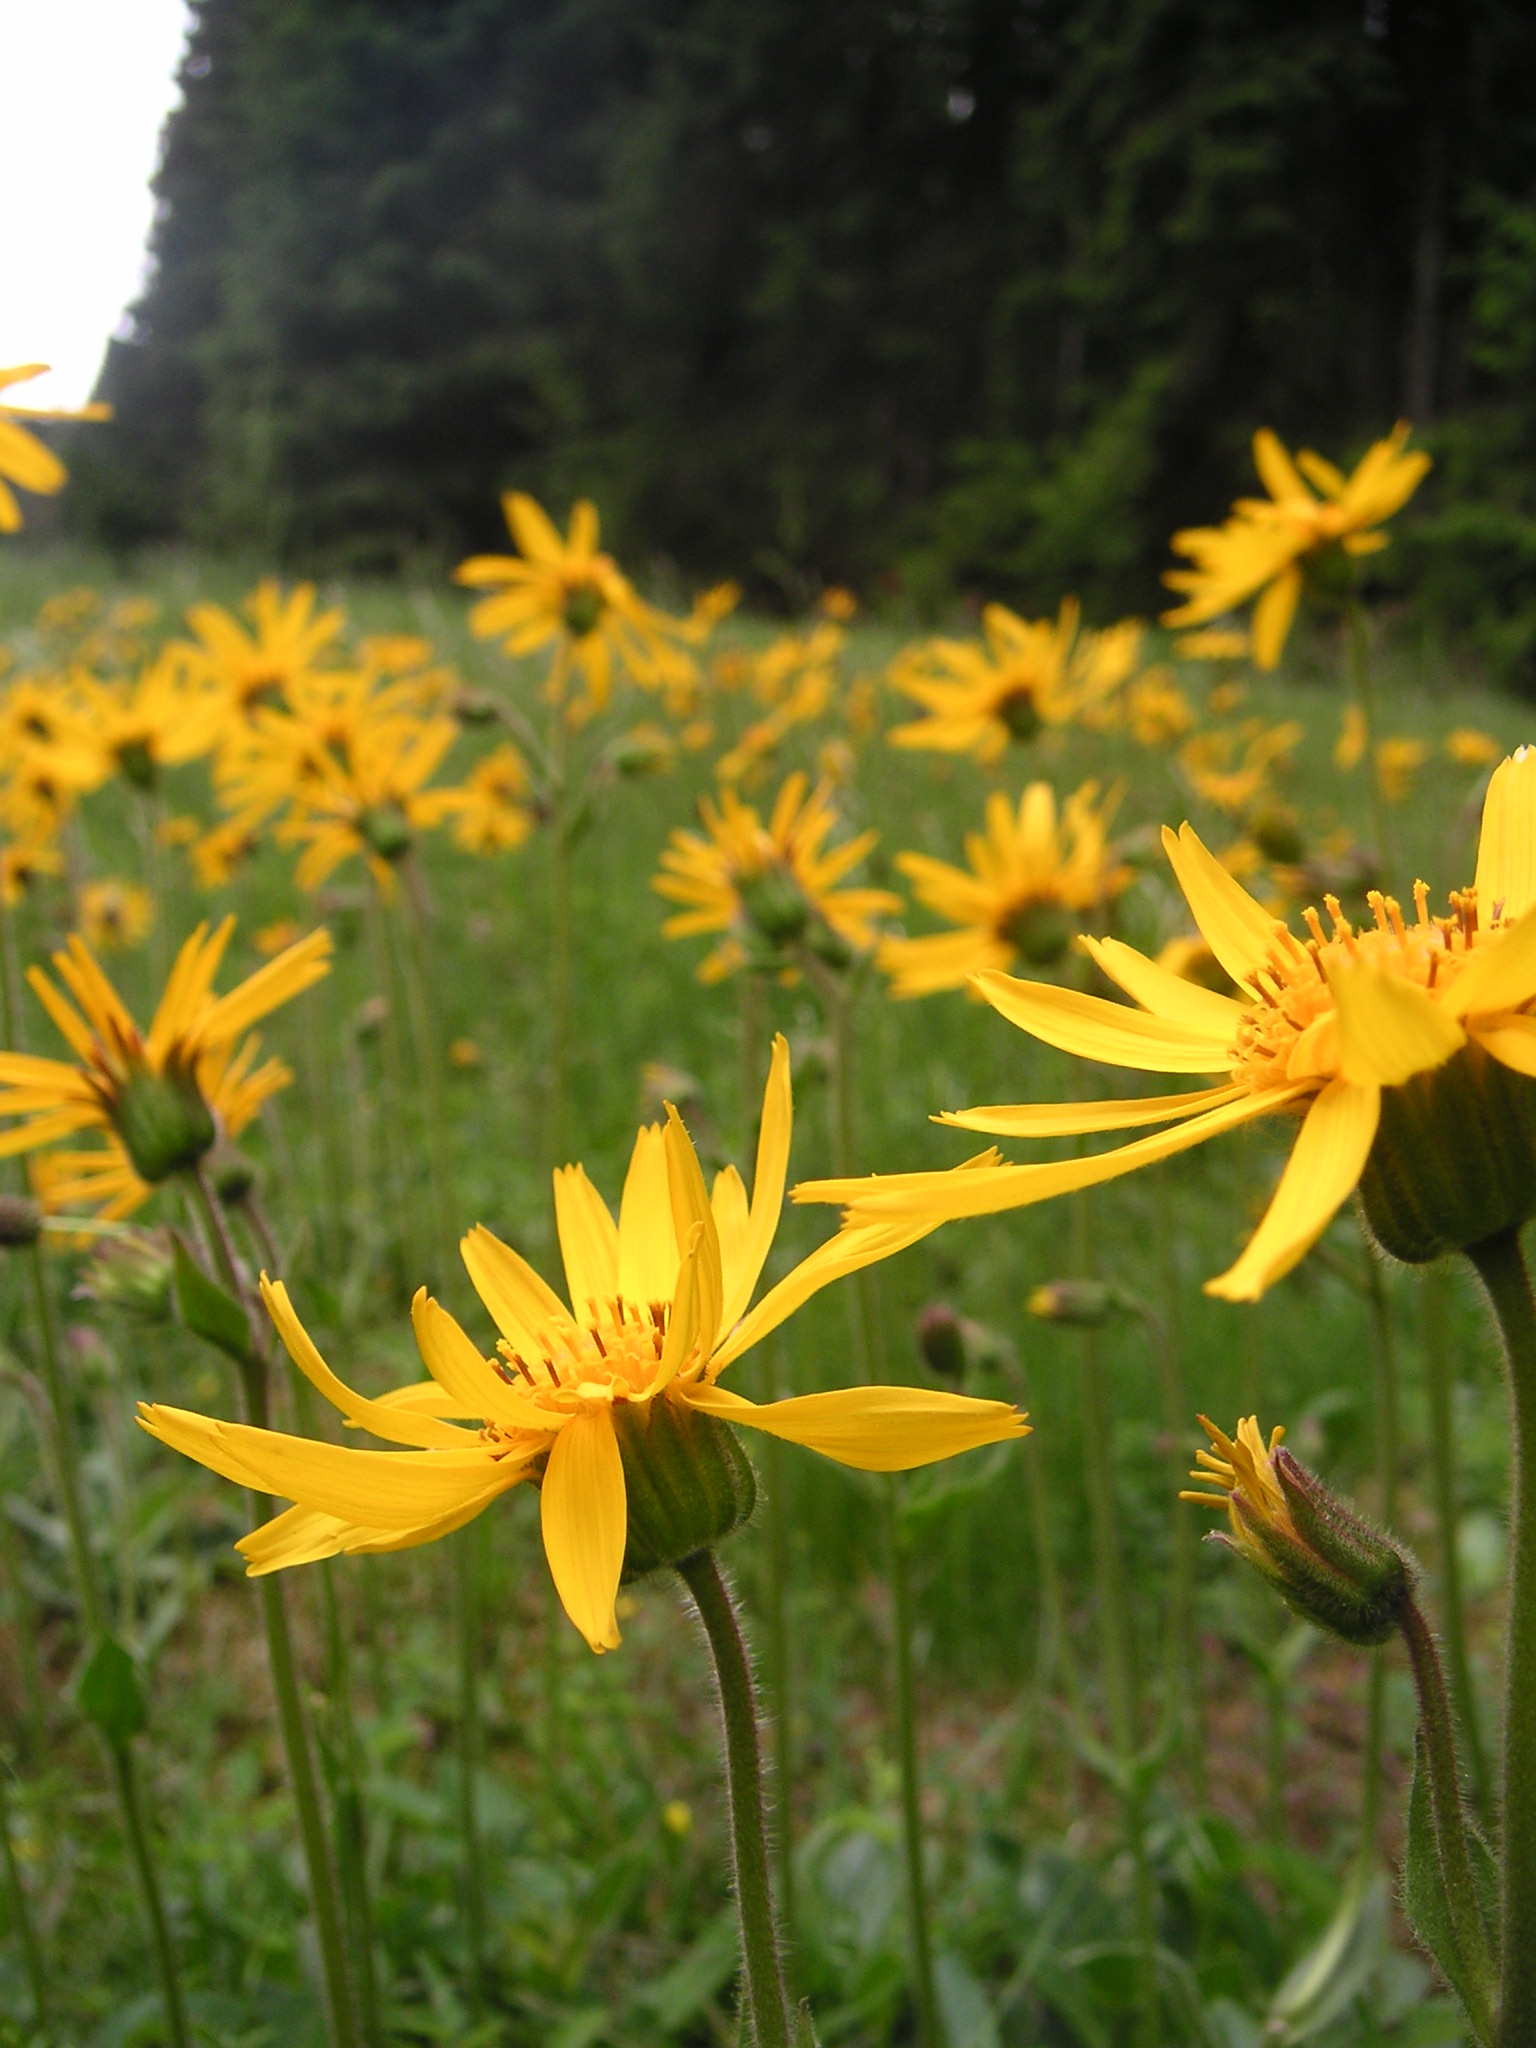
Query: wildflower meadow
(723, 1328)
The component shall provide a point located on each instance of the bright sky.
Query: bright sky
(88, 86)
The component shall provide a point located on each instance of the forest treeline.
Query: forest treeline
(929, 295)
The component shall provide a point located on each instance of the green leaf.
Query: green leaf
(109, 1693)
(1425, 1901)
(209, 1311)
(1337, 1968)
(805, 2026)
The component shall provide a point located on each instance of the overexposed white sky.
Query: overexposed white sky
(88, 84)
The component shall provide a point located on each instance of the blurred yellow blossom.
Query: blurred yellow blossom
(24, 461)
(837, 603)
(1398, 760)
(1349, 747)
(1215, 644)
(463, 1052)
(1470, 748)
(115, 914)
(276, 938)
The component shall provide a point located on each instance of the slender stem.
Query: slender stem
(1442, 1449)
(324, 1890)
(561, 824)
(427, 1044)
(1443, 1769)
(131, 1800)
(24, 1633)
(392, 1073)
(929, 2028)
(1387, 1435)
(1501, 1267)
(1363, 682)
(839, 1006)
(466, 1559)
(1183, 1700)
(767, 2004)
(21, 1910)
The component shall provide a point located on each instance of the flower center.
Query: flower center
(1290, 1033)
(1020, 712)
(1040, 928)
(611, 1358)
(583, 609)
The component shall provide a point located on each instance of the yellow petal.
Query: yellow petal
(648, 1252)
(876, 1429)
(1324, 1167)
(1166, 995)
(1511, 1041)
(1389, 1028)
(380, 1489)
(773, 1136)
(1097, 1030)
(728, 1206)
(1272, 617)
(394, 1425)
(293, 971)
(1506, 847)
(584, 1517)
(475, 1385)
(685, 1325)
(521, 1305)
(928, 1199)
(1240, 932)
(1277, 472)
(1075, 1119)
(691, 1214)
(302, 1536)
(1501, 975)
(589, 1242)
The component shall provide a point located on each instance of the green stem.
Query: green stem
(838, 1005)
(324, 1890)
(1443, 1770)
(1501, 1267)
(1363, 683)
(1387, 1435)
(427, 1044)
(1442, 1446)
(560, 934)
(766, 2001)
(136, 1825)
(466, 1558)
(1181, 1698)
(21, 1911)
(400, 1222)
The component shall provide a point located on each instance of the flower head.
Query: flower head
(1022, 675)
(769, 888)
(1031, 879)
(1405, 1048)
(611, 1403)
(138, 728)
(566, 594)
(492, 809)
(157, 1092)
(244, 669)
(1266, 544)
(115, 914)
(24, 461)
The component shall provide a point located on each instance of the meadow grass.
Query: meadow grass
(608, 1913)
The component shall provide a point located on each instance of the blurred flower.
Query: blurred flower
(1156, 709)
(1349, 747)
(1216, 644)
(1403, 1048)
(1469, 748)
(1030, 883)
(1397, 762)
(1022, 675)
(677, 1817)
(463, 1052)
(243, 671)
(24, 461)
(612, 1404)
(837, 603)
(276, 938)
(1233, 768)
(23, 864)
(1190, 957)
(222, 851)
(115, 915)
(1265, 544)
(490, 808)
(768, 887)
(141, 727)
(152, 1090)
(564, 594)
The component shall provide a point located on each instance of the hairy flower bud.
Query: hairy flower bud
(687, 1481)
(21, 1220)
(163, 1120)
(131, 1273)
(1085, 1303)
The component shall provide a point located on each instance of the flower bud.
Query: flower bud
(21, 1220)
(1329, 1565)
(130, 1273)
(643, 751)
(687, 1480)
(1083, 1303)
(941, 1340)
(163, 1121)
(234, 1175)
(387, 831)
(776, 904)
(583, 609)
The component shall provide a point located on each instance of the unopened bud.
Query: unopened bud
(234, 1175)
(475, 707)
(1276, 832)
(131, 1273)
(387, 831)
(1084, 1303)
(1328, 1563)
(21, 1220)
(643, 752)
(941, 1339)
(163, 1121)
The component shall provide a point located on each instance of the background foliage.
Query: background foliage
(964, 293)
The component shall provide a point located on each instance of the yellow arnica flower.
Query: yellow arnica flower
(1237, 1474)
(1265, 544)
(141, 727)
(1031, 878)
(245, 670)
(769, 887)
(586, 1400)
(115, 914)
(492, 809)
(979, 696)
(567, 595)
(24, 461)
(1405, 1049)
(155, 1090)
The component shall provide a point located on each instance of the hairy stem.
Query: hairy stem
(1442, 1450)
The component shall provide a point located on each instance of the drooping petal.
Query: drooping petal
(1389, 1029)
(1272, 616)
(589, 1242)
(303, 1535)
(648, 1250)
(1324, 1167)
(394, 1425)
(1501, 974)
(1240, 932)
(1165, 994)
(1506, 847)
(1077, 1119)
(295, 969)
(876, 1429)
(521, 1305)
(584, 1517)
(1094, 1029)
(474, 1384)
